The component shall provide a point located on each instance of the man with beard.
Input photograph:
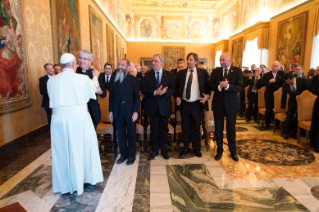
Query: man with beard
(124, 106)
(158, 86)
(85, 59)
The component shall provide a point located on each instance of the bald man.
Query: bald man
(226, 82)
(142, 73)
(273, 80)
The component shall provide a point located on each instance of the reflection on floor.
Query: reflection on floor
(273, 174)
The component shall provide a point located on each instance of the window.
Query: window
(315, 52)
(217, 62)
(253, 55)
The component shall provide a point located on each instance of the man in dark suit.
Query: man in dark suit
(192, 92)
(226, 82)
(242, 93)
(85, 58)
(180, 66)
(124, 106)
(142, 73)
(44, 91)
(273, 80)
(158, 86)
(107, 78)
(293, 86)
(252, 95)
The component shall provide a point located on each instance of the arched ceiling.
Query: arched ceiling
(167, 7)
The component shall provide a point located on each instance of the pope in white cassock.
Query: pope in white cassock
(74, 145)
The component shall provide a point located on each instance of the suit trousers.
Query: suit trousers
(242, 102)
(191, 113)
(269, 102)
(252, 106)
(123, 121)
(230, 127)
(49, 114)
(291, 122)
(159, 130)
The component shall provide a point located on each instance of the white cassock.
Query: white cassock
(74, 145)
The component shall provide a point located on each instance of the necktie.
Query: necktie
(107, 80)
(157, 79)
(254, 87)
(189, 85)
(275, 75)
(225, 73)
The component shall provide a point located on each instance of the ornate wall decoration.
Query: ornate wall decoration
(292, 40)
(237, 52)
(173, 28)
(118, 48)
(96, 36)
(65, 19)
(171, 54)
(110, 44)
(14, 74)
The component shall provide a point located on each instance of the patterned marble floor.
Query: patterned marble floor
(272, 174)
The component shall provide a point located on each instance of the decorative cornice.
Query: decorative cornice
(316, 2)
(259, 25)
(222, 42)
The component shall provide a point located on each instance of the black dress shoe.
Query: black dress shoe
(267, 127)
(121, 159)
(184, 153)
(218, 156)
(130, 161)
(234, 157)
(152, 156)
(165, 155)
(285, 136)
(247, 120)
(293, 136)
(197, 153)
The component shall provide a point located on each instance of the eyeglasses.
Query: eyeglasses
(83, 58)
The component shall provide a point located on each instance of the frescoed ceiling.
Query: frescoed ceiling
(189, 20)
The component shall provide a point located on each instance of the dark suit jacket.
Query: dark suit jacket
(271, 87)
(131, 97)
(111, 81)
(301, 83)
(93, 104)
(226, 98)
(174, 71)
(44, 91)
(251, 85)
(140, 75)
(164, 101)
(180, 81)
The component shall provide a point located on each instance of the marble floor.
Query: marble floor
(272, 174)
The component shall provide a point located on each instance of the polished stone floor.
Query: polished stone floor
(272, 174)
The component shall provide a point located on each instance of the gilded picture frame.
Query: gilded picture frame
(96, 38)
(14, 85)
(291, 36)
(237, 52)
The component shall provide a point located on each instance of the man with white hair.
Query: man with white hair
(74, 146)
(132, 71)
(85, 59)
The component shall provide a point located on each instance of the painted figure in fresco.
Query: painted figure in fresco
(9, 56)
(146, 29)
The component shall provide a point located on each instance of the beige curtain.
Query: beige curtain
(263, 38)
(316, 22)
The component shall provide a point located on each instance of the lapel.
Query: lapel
(199, 76)
(164, 76)
(230, 73)
(183, 78)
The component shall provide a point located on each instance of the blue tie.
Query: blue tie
(157, 79)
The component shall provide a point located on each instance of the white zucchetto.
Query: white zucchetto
(66, 58)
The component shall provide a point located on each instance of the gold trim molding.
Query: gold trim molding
(257, 26)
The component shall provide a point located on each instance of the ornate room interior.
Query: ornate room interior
(273, 173)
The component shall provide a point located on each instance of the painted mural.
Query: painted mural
(96, 35)
(292, 40)
(67, 26)
(14, 77)
(231, 19)
(114, 10)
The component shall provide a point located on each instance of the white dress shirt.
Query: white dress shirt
(195, 93)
